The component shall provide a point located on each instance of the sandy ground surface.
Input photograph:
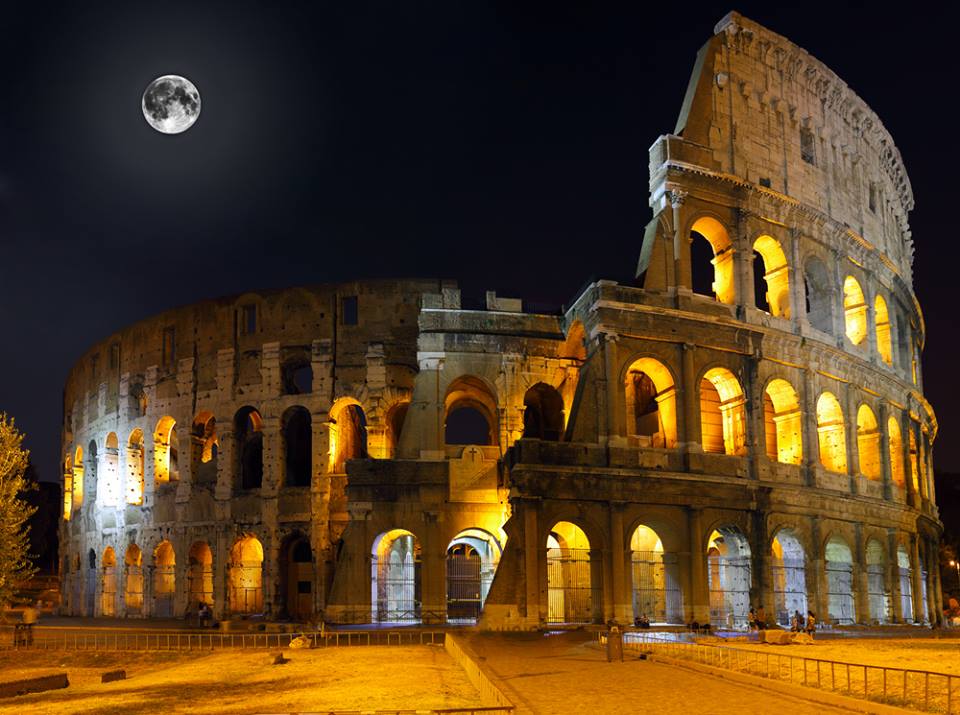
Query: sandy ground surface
(569, 674)
(374, 677)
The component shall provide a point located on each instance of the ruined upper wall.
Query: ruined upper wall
(774, 115)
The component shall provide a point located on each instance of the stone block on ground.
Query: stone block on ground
(112, 675)
(775, 637)
(33, 685)
(801, 638)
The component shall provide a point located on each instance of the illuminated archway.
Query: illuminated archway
(831, 433)
(166, 451)
(78, 478)
(895, 446)
(881, 317)
(570, 587)
(133, 580)
(914, 460)
(470, 410)
(722, 413)
(472, 559)
(67, 488)
(657, 594)
(651, 399)
(108, 583)
(905, 574)
(775, 275)
(543, 413)
(135, 467)
(868, 443)
(200, 575)
(245, 576)
(715, 234)
(396, 416)
(854, 310)
(109, 482)
(840, 585)
(164, 579)
(248, 433)
(789, 576)
(205, 448)
(348, 434)
(878, 597)
(395, 577)
(783, 422)
(728, 577)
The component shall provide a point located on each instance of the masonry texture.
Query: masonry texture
(745, 426)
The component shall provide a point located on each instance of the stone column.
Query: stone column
(690, 395)
(601, 610)
(699, 602)
(849, 407)
(798, 298)
(433, 591)
(936, 596)
(681, 242)
(860, 576)
(917, 578)
(755, 427)
(221, 573)
(616, 412)
(839, 317)
(603, 410)
(811, 436)
(893, 577)
(761, 590)
(743, 264)
(817, 598)
(906, 427)
(619, 592)
(886, 470)
(533, 556)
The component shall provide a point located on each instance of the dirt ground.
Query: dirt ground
(359, 678)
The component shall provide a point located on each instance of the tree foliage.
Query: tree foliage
(15, 565)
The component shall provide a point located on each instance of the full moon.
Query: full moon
(171, 104)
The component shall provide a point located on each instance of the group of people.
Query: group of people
(757, 619)
(799, 624)
(641, 621)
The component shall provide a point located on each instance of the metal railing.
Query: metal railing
(181, 641)
(918, 689)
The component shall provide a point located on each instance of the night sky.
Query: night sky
(502, 146)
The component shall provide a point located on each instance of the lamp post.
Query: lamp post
(956, 565)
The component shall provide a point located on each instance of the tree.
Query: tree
(15, 565)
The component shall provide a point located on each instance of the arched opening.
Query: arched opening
(296, 578)
(775, 277)
(92, 470)
(109, 483)
(205, 448)
(782, 422)
(895, 446)
(575, 344)
(722, 413)
(348, 434)
(135, 467)
(296, 376)
(166, 451)
(728, 577)
(248, 429)
(67, 488)
(657, 595)
(881, 318)
(164, 579)
(914, 461)
(297, 447)
(200, 575)
(133, 580)
(245, 577)
(78, 478)
(868, 443)
(789, 576)
(651, 400)
(840, 587)
(470, 413)
(878, 597)
(831, 434)
(472, 559)
(819, 295)
(395, 577)
(395, 418)
(108, 583)
(90, 584)
(854, 310)
(543, 413)
(905, 574)
(572, 594)
(722, 286)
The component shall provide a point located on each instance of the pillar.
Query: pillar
(761, 590)
(893, 577)
(861, 597)
(433, 591)
(850, 433)
(817, 599)
(681, 242)
(886, 470)
(755, 426)
(811, 437)
(690, 395)
(798, 299)
(699, 602)
(916, 578)
(620, 595)
(533, 555)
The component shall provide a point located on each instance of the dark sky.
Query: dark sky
(504, 146)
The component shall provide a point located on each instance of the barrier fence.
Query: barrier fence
(918, 689)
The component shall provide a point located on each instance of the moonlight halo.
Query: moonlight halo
(171, 104)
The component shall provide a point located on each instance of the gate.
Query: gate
(570, 589)
(464, 591)
(877, 594)
(789, 589)
(246, 588)
(108, 594)
(840, 591)
(398, 588)
(200, 579)
(656, 592)
(164, 584)
(133, 590)
(729, 582)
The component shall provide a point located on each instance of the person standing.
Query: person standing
(31, 614)
(811, 624)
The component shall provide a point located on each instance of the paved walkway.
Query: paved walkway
(566, 673)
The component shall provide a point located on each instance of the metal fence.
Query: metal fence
(917, 689)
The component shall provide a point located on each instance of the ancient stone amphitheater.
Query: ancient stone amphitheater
(744, 426)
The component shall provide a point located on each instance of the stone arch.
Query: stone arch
(782, 422)
(67, 487)
(788, 569)
(133, 580)
(200, 575)
(296, 577)
(472, 559)
(164, 579)
(204, 448)
(831, 433)
(878, 595)
(905, 576)
(92, 471)
(819, 291)
(895, 448)
(135, 464)
(543, 413)
(395, 417)
(838, 562)
(723, 423)
(868, 442)
(78, 471)
(657, 593)
(108, 583)
(915, 464)
(775, 275)
(297, 447)
(348, 433)
(395, 577)
(166, 451)
(109, 484)
(573, 589)
(296, 375)
(651, 400)
(728, 577)
(854, 310)
(715, 233)
(471, 412)
(574, 346)
(881, 321)
(245, 576)
(248, 434)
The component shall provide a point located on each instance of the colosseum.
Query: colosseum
(744, 425)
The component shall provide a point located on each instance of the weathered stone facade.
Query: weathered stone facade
(681, 449)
